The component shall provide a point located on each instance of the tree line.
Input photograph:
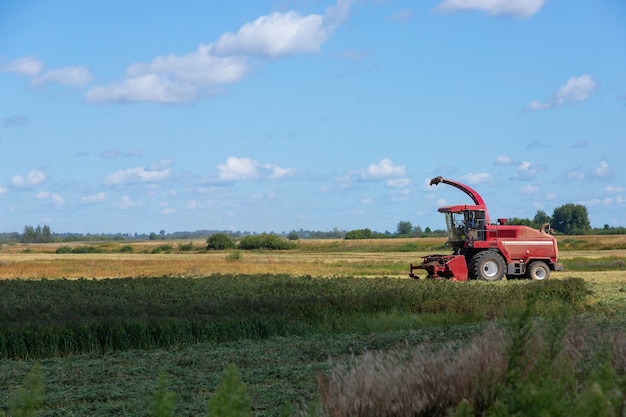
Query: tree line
(568, 219)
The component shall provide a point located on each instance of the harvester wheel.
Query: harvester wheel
(488, 265)
(538, 271)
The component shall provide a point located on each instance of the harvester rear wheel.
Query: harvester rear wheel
(488, 265)
(538, 271)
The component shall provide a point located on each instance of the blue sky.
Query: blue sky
(120, 116)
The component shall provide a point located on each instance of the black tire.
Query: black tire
(488, 265)
(538, 271)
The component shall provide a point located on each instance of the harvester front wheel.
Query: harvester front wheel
(488, 265)
(538, 271)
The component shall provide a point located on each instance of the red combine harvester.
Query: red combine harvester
(486, 251)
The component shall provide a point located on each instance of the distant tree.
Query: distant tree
(571, 219)
(417, 231)
(359, 234)
(541, 218)
(46, 234)
(28, 235)
(405, 228)
(219, 241)
(293, 235)
(427, 230)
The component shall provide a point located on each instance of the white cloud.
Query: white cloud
(33, 67)
(241, 169)
(527, 170)
(49, 198)
(92, 199)
(576, 89)
(125, 203)
(29, 66)
(530, 189)
(237, 169)
(516, 8)
(503, 160)
(477, 178)
(602, 170)
(70, 76)
(576, 175)
(173, 79)
(32, 179)
(155, 173)
(275, 35)
(383, 170)
(398, 182)
(3, 190)
(614, 189)
(189, 77)
(276, 172)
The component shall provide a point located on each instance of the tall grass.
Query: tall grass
(552, 367)
(58, 317)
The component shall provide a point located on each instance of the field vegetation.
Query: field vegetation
(322, 328)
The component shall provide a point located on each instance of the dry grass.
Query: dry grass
(429, 379)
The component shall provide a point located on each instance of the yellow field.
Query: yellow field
(312, 257)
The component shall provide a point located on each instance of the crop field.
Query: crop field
(329, 328)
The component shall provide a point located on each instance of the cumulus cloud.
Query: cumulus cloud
(576, 89)
(383, 170)
(49, 198)
(515, 8)
(242, 169)
(185, 78)
(172, 79)
(527, 170)
(602, 170)
(154, 173)
(275, 35)
(34, 69)
(32, 179)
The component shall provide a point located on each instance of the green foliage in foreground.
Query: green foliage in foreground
(60, 317)
(553, 367)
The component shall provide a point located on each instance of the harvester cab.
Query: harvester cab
(482, 250)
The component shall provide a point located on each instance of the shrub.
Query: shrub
(265, 241)
(231, 399)
(127, 249)
(186, 247)
(234, 256)
(167, 248)
(359, 234)
(219, 241)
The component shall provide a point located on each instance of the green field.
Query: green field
(305, 344)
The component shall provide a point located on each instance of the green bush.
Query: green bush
(127, 249)
(219, 241)
(167, 248)
(186, 247)
(234, 256)
(231, 399)
(359, 234)
(265, 241)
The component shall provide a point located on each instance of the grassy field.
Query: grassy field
(303, 314)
